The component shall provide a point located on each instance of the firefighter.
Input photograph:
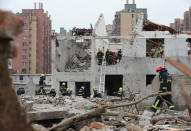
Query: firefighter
(42, 83)
(110, 55)
(63, 89)
(106, 56)
(42, 80)
(165, 87)
(69, 92)
(120, 92)
(20, 91)
(100, 55)
(119, 55)
(96, 93)
(52, 92)
(81, 92)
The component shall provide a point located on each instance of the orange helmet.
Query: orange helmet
(159, 68)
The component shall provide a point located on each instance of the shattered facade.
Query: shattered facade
(135, 70)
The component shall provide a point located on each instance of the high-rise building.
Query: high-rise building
(34, 44)
(172, 25)
(189, 18)
(63, 31)
(186, 21)
(183, 25)
(177, 24)
(126, 19)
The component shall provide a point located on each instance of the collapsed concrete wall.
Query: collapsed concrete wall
(73, 55)
(134, 66)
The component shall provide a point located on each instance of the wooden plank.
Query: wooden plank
(180, 66)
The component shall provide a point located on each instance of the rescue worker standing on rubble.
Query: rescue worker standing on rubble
(20, 91)
(41, 91)
(81, 92)
(52, 92)
(96, 93)
(100, 55)
(165, 87)
(110, 55)
(119, 55)
(63, 89)
(106, 56)
(120, 92)
(69, 92)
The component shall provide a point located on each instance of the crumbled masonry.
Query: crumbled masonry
(74, 64)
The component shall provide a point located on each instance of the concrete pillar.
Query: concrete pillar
(93, 50)
(54, 84)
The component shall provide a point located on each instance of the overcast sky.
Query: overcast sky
(82, 13)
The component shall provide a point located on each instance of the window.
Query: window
(24, 31)
(25, 24)
(24, 50)
(24, 43)
(21, 77)
(24, 56)
(24, 37)
(155, 48)
(24, 70)
(24, 63)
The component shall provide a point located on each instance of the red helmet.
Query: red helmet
(159, 68)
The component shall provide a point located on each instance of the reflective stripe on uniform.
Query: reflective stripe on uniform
(161, 81)
(155, 105)
(165, 88)
(169, 81)
(170, 107)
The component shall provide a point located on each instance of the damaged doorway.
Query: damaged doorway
(113, 83)
(86, 84)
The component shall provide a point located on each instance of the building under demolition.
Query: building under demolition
(74, 59)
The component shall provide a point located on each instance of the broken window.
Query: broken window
(189, 46)
(155, 48)
(113, 83)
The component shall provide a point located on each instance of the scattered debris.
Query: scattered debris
(82, 32)
(151, 26)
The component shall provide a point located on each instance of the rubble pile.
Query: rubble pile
(80, 63)
(112, 119)
(42, 103)
(80, 59)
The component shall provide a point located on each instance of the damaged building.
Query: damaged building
(74, 64)
(74, 60)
